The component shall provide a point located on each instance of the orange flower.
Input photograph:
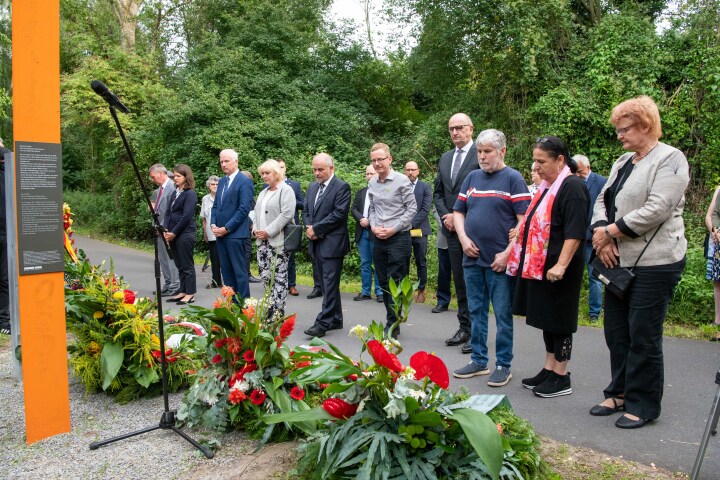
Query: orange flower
(236, 396)
(234, 345)
(249, 312)
(227, 292)
(499, 427)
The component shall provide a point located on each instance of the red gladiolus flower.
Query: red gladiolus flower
(257, 397)
(428, 365)
(339, 408)
(249, 356)
(217, 358)
(383, 357)
(236, 396)
(287, 327)
(221, 343)
(234, 345)
(129, 296)
(297, 393)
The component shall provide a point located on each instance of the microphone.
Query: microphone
(109, 97)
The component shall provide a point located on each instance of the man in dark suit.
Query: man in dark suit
(453, 167)
(594, 184)
(299, 205)
(325, 215)
(364, 239)
(171, 279)
(420, 227)
(229, 223)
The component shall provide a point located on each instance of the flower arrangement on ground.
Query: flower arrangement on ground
(246, 371)
(114, 344)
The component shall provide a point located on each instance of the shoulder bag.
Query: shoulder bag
(292, 233)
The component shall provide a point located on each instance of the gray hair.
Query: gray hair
(211, 179)
(493, 137)
(324, 156)
(581, 159)
(158, 168)
(233, 154)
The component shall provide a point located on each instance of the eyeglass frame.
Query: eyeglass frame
(458, 128)
(378, 160)
(624, 130)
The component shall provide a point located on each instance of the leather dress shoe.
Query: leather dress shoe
(460, 337)
(293, 291)
(253, 279)
(337, 326)
(315, 293)
(625, 422)
(467, 348)
(315, 331)
(439, 309)
(603, 411)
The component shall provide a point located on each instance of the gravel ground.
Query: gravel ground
(160, 454)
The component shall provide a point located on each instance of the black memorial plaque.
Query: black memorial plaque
(38, 177)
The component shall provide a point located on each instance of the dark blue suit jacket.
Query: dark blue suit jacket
(423, 198)
(328, 218)
(231, 207)
(594, 184)
(446, 191)
(180, 214)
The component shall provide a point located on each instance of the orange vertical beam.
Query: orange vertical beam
(36, 118)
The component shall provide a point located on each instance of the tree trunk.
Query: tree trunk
(126, 12)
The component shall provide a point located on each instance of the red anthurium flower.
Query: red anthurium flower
(129, 296)
(236, 396)
(428, 365)
(297, 393)
(257, 397)
(287, 327)
(249, 356)
(339, 408)
(383, 357)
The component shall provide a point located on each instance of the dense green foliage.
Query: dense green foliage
(277, 79)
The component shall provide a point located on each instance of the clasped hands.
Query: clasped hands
(604, 247)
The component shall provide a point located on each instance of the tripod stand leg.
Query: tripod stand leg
(96, 445)
(710, 427)
(205, 451)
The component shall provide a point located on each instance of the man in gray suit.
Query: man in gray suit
(171, 280)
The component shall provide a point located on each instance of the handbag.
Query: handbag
(292, 235)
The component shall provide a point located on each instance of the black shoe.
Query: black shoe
(174, 299)
(439, 309)
(360, 297)
(460, 337)
(315, 293)
(554, 386)
(253, 279)
(380, 299)
(603, 411)
(625, 422)
(185, 302)
(337, 326)
(467, 348)
(533, 382)
(315, 331)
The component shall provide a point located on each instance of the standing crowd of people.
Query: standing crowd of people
(520, 248)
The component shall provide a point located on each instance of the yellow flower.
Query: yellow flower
(98, 315)
(155, 339)
(119, 295)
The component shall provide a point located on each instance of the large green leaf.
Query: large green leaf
(483, 436)
(146, 376)
(315, 414)
(111, 360)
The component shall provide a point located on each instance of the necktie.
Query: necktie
(413, 186)
(160, 190)
(456, 165)
(319, 195)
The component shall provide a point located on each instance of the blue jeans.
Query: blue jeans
(365, 247)
(485, 286)
(594, 286)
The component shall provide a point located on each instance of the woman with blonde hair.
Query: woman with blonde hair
(637, 223)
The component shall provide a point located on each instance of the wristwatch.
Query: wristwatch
(607, 232)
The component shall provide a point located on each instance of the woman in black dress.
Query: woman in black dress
(547, 259)
(180, 226)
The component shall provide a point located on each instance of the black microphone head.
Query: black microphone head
(99, 87)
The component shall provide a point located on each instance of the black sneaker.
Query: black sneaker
(554, 386)
(470, 370)
(533, 382)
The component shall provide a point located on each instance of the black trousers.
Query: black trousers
(4, 285)
(456, 257)
(419, 251)
(392, 260)
(215, 264)
(182, 250)
(329, 269)
(634, 335)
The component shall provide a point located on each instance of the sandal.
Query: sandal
(603, 411)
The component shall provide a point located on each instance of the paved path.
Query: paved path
(670, 442)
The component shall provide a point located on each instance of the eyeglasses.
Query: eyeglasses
(546, 140)
(457, 128)
(214, 184)
(623, 131)
(412, 169)
(378, 160)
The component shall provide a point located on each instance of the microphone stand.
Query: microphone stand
(167, 420)
(710, 429)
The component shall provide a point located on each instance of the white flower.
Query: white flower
(417, 394)
(251, 302)
(408, 373)
(361, 406)
(243, 386)
(358, 330)
(209, 399)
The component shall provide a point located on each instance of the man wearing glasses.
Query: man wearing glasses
(420, 227)
(453, 167)
(392, 208)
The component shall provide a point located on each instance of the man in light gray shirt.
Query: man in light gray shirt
(392, 208)
(171, 280)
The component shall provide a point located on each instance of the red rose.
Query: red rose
(287, 327)
(297, 393)
(428, 365)
(339, 408)
(257, 397)
(217, 358)
(236, 396)
(383, 357)
(249, 356)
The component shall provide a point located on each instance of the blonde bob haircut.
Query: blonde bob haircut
(642, 111)
(273, 166)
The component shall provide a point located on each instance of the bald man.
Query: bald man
(420, 226)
